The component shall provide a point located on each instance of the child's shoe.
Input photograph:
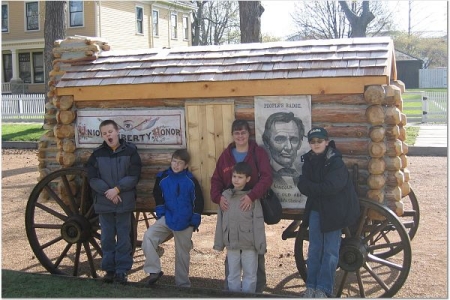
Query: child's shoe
(153, 277)
(121, 278)
(320, 294)
(309, 293)
(109, 277)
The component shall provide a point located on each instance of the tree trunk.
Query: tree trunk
(358, 23)
(250, 17)
(198, 19)
(54, 29)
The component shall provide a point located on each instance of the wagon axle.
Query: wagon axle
(352, 254)
(76, 229)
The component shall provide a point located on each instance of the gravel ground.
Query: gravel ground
(428, 277)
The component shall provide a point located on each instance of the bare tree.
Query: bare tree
(215, 23)
(333, 20)
(358, 22)
(250, 13)
(54, 29)
(197, 23)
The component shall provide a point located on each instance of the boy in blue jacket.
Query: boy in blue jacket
(114, 169)
(179, 204)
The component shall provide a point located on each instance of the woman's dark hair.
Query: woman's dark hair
(182, 154)
(108, 122)
(242, 168)
(240, 125)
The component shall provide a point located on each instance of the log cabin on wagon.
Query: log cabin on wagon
(348, 86)
(166, 99)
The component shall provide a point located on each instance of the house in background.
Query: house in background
(124, 24)
(408, 69)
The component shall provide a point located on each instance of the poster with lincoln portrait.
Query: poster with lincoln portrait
(281, 123)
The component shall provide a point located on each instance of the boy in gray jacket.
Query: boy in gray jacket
(114, 170)
(241, 232)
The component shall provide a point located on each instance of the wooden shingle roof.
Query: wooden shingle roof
(312, 59)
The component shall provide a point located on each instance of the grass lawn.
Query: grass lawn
(28, 285)
(411, 135)
(18, 132)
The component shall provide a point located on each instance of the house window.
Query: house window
(32, 15)
(7, 67)
(174, 25)
(38, 67)
(185, 28)
(139, 20)
(25, 67)
(76, 14)
(5, 27)
(155, 17)
(31, 66)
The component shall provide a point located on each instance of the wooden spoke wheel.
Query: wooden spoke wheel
(409, 219)
(411, 214)
(62, 227)
(363, 269)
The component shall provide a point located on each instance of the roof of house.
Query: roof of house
(402, 56)
(257, 61)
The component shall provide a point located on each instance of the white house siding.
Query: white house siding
(121, 15)
(164, 39)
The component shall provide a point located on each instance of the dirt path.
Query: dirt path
(428, 275)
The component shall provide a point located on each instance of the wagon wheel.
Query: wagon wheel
(409, 219)
(411, 214)
(361, 271)
(62, 227)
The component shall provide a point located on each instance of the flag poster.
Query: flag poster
(281, 125)
(145, 128)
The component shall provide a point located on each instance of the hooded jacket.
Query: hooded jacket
(179, 198)
(120, 168)
(237, 229)
(259, 183)
(327, 183)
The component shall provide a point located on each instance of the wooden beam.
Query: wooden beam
(206, 89)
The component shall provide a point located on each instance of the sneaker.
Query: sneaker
(153, 277)
(121, 278)
(320, 294)
(109, 277)
(309, 293)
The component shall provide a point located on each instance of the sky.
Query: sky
(426, 16)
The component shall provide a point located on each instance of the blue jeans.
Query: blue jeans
(323, 255)
(117, 256)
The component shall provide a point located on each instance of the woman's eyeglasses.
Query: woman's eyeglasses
(242, 132)
(316, 141)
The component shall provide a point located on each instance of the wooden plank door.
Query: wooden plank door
(208, 128)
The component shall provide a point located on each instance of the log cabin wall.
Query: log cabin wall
(366, 123)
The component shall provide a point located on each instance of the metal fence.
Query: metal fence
(425, 107)
(23, 107)
(433, 78)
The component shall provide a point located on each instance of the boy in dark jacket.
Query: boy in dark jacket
(332, 205)
(179, 204)
(114, 169)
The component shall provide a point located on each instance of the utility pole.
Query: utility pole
(409, 17)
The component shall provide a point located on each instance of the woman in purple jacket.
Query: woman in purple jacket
(243, 149)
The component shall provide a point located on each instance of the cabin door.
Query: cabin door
(208, 128)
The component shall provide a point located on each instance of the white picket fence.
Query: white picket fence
(432, 106)
(23, 108)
